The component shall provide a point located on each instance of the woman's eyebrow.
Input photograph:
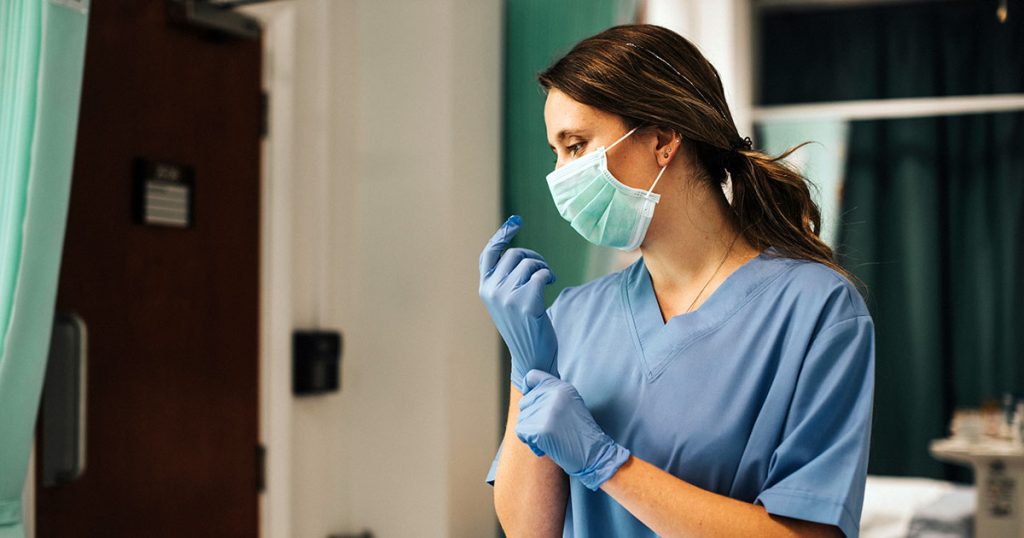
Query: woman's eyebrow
(566, 133)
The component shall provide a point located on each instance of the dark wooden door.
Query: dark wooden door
(172, 314)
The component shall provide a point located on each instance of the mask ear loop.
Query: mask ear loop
(621, 139)
(663, 168)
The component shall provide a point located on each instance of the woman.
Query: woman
(719, 386)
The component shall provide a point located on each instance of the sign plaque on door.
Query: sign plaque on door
(164, 193)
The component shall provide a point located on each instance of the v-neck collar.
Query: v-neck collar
(657, 341)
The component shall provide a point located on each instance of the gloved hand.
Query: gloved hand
(512, 287)
(553, 420)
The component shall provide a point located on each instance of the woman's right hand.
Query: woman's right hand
(512, 287)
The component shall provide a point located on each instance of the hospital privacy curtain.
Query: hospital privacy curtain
(933, 208)
(42, 44)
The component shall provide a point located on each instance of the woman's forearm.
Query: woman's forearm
(673, 507)
(530, 493)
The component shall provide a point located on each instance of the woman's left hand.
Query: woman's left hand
(512, 285)
(553, 420)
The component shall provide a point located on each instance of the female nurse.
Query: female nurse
(722, 384)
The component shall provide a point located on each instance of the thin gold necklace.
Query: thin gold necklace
(720, 264)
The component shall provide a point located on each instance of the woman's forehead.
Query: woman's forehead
(564, 116)
(562, 111)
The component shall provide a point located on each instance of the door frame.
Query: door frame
(275, 395)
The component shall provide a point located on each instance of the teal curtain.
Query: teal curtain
(538, 32)
(42, 44)
(933, 208)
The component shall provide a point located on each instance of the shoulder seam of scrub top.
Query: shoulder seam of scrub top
(855, 306)
(844, 320)
(844, 302)
(835, 324)
(652, 374)
(818, 335)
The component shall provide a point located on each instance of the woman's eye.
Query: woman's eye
(573, 150)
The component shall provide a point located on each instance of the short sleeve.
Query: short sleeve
(817, 472)
(494, 465)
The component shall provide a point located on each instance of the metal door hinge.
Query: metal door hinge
(217, 17)
(261, 468)
(264, 114)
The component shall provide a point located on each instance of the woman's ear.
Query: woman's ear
(668, 145)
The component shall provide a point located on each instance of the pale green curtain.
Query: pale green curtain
(42, 45)
(822, 161)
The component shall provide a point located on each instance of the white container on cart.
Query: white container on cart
(998, 477)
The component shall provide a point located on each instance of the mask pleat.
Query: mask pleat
(593, 217)
(579, 200)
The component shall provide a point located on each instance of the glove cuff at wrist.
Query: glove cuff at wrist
(612, 456)
(519, 378)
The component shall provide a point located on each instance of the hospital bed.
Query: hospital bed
(901, 507)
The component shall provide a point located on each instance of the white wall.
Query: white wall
(395, 190)
(721, 29)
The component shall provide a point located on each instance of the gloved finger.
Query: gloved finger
(534, 448)
(536, 377)
(542, 277)
(526, 403)
(511, 258)
(525, 270)
(533, 254)
(526, 434)
(498, 243)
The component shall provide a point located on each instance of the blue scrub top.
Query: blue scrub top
(763, 394)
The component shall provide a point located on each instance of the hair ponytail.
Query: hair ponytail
(773, 206)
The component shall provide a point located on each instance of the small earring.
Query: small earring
(666, 154)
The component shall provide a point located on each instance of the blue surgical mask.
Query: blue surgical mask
(598, 206)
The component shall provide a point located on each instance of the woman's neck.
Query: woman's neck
(692, 243)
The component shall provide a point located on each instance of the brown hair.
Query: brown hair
(653, 77)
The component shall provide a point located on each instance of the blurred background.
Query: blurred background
(256, 225)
